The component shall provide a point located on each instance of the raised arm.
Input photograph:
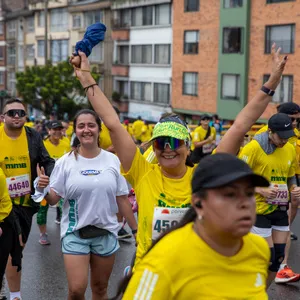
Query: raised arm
(122, 141)
(234, 137)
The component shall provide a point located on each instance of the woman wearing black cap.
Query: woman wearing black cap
(168, 183)
(210, 254)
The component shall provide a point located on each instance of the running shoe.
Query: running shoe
(286, 275)
(293, 237)
(44, 239)
(2, 291)
(123, 234)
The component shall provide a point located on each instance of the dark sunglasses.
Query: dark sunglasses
(13, 112)
(160, 143)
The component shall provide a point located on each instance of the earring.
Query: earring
(200, 217)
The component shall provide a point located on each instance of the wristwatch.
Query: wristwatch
(267, 91)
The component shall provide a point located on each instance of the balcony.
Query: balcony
(120, 70)
(120, 32)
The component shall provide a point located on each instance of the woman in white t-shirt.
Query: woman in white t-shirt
(89, 181)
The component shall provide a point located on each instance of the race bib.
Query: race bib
(208, 148)
(18, 186)
(282, 196)
(164, 218)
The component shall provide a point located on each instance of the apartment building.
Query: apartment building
(221, 54)
(142, 72)
(2, 57)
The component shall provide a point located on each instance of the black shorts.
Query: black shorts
(276, 218)
(24, 216)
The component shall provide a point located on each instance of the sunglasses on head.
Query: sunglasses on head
(160, 143)
(13, 112)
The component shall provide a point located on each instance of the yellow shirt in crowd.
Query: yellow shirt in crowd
(128, 129)
(199, 135)
(137, 129)
(146, 133)
(182, 266)
(293, 140)
(104, 137)
(276, 167)
(57, 151)
(69, 132)
(15, 163)
(150, 156)
(154, 192)
(5, 202)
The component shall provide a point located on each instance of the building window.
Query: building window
(141, 54)
(41, 48)
(59, 50)
(1, 52)
(233, 3)
(2, 77)
(161, 93)
(11, 55)
(284, 91)
(191, 5)
(123, 55)
(141, 91)
(76, 21)
(230, 86)
(97, 54)
(190, 83)
(1, 28)
(41, 19)
(12, 82)
(30, 24)
(162, 54)
(142, 16)
(232, 40)
(163, 14)
(122, 88)
(125, 18)
(11, 30)
(191, 41)
(59, 20)
(282, 35)
(278, 1)
(30, 52)
(92, 17)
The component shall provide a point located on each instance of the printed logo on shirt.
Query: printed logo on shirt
(16, 166)
(245, 158)
(90, 172)
(259, 281)
(162, 202)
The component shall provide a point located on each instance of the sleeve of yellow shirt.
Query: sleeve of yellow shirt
(294, 164)
(138, 169)
(149, 282)
(5, 201)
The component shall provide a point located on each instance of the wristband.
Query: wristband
(267, 91)
(134, 231)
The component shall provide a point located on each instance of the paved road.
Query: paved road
(44, 276)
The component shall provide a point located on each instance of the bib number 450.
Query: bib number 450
(163, 225)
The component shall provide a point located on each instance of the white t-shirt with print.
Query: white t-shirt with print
(89, 187)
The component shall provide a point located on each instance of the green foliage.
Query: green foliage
(47, 87)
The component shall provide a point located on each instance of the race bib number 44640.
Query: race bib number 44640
(282, 196)
(165, 218)
(18, 186)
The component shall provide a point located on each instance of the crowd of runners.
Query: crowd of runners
(212, 211)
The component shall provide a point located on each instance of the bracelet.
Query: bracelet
(267, 91)
(83, 70)
(87, 88)
(134, 231)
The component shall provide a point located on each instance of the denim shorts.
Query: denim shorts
(102, 245)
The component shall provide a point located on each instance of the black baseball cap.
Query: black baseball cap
(205, 116)
(55, 124)
(221, 169)
(282, 125)
(288, 108)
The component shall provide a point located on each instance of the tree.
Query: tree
(52, 88)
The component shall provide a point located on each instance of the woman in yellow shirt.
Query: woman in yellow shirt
(212, 246)
(56, 148)
(166, 184)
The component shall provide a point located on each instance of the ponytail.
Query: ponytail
(189, 217)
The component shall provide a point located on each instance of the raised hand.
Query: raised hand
(80, 64)
(43, 178)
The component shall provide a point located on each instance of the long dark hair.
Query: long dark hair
(190, 216)
(85, 112)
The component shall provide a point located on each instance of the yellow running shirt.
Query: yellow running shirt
(182, 267)
(276, 167)
(146, 133)
(199, 136)
(5, 202)
(150, 156)
(15, 163)
(154, 192)
(104, 137)
(57, 151)
(137, 129)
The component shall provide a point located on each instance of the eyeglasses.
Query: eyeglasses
(13, 112)
(160, 143)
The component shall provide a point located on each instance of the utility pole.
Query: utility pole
(46, 31)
